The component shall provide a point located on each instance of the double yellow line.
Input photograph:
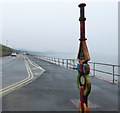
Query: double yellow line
(20, 83)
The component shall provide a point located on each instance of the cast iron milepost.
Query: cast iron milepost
(83, 80)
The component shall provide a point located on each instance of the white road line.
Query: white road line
(34, 68)
(36, 73)
(36, 65)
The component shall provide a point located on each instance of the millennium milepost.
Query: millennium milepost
(83, 80)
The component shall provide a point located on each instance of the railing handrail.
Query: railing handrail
(106, 64)
(72, 63)
(115, 65)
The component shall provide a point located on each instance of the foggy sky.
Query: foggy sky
(54, 26)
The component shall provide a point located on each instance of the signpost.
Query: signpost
(83, 80)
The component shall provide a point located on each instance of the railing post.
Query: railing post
(52, 60)
(67, 63)
(71, 63)
(113, 73)
(55, 61)
(58, 61)
(63, 62)
(93, 69)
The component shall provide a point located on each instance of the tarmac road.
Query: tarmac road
(56, 90)
(13, 70)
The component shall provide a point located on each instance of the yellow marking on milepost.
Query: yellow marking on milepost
(30, 77)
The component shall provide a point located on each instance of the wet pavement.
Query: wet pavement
(56, 90)
(13, 70)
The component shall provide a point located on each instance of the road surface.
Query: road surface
(56, 90)
(13, 70)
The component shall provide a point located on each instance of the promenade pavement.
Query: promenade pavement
(56, 90)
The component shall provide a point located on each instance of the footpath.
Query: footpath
(56, 90)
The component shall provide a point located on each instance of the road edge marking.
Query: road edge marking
(30, 77)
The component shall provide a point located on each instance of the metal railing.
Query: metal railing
(72, 64)
(106, 72)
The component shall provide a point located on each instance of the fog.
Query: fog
(54, 26)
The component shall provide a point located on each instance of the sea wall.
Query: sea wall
(5, 53)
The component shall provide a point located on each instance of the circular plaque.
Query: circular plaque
(82, 80)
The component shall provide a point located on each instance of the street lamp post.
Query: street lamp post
(6, 42)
